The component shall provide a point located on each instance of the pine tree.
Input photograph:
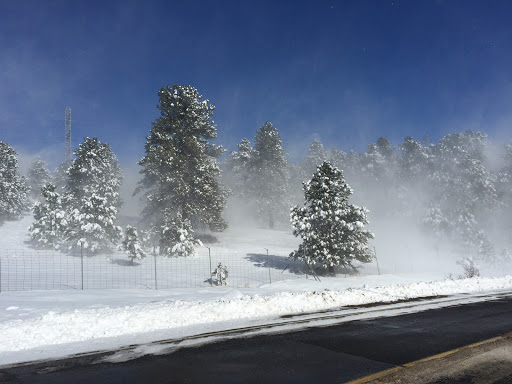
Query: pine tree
(269, 178)
(504, 191)
(180, 171)
(60, 176)
(177, 238)
(337, 158)
(38, 176)
(131, 244)
(463, 188)
(13, 190)
(238, 167)
(380, 161)
(332, 230)
(414, 162)
(92, 196)
(50, 219)
(315, 156)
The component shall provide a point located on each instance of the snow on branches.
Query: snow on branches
(332, 230)
(13, 190)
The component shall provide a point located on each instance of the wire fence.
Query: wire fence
(26, 270)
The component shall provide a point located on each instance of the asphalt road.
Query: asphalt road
(331, 354)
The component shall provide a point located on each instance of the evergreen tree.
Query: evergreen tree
(294, 184)
(504, 190)
(13, 190)
(92, 196)
(332, 230)
(177, 237)
(315, 156)
(269, 176)
(463, 189)
(413, 164)
(38, 176)
(239, 168)
(353, 165)
(337, 158)
(60, 176)
(180, 171)
(380, 161)
(50, 219)
(131, 244)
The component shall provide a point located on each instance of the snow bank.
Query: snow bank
(104, 321)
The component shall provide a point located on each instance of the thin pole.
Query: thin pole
(210, 257)
(82, 261)
(377, 260)
(154, 256)
(268, 264)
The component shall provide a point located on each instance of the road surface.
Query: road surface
(332, 354)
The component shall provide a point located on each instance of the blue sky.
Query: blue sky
(345, 72)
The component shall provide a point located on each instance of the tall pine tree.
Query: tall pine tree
(37, 177)
(269, 179)
(50, 219)
(92, 196)
(315, 156)
(180, 170)
(13, 190)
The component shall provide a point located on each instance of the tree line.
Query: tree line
(450, 190)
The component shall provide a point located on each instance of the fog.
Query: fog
(398, 201)
(467, 182)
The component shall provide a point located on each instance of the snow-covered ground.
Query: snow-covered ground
(48, 323)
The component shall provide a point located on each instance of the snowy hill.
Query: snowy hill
(46, 323)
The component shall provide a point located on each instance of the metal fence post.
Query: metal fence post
(156, 281)
(210, 257)
(82, 262)
(268, 264)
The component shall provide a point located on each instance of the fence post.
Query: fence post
(377, 260)
(154, 256)
(268, 264)
(82, 262)
(210, 257)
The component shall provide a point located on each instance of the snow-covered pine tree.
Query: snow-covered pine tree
(177, 237)
(353, 165)
(131, 244)
(269, 176)
(504, 190)
(337, 158)
(315, 156)
(238, 169)
(464, 189)
(180, 169)
(92, 197)
(50, 219)
(413, 163)
(13, 189)
(60, 176)
(380, 161)
(38, 176)
(332, 229)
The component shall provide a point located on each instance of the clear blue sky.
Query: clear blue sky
(345, 72)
